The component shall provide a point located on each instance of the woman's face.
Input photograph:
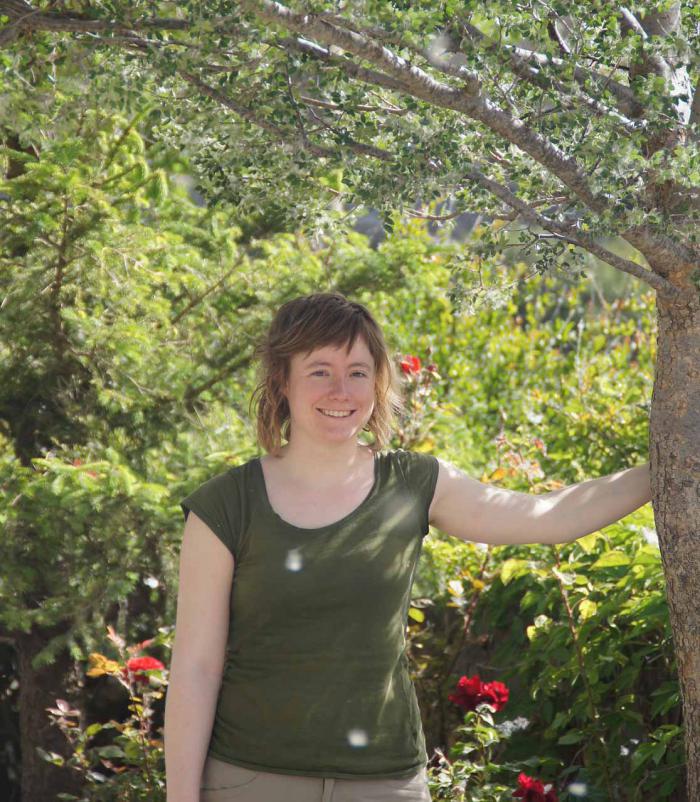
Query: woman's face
(330, 379)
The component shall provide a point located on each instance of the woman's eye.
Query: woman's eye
(356, 373)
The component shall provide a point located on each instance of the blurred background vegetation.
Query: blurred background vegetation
(128, 317)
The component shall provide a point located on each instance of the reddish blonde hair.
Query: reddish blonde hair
(302, 325)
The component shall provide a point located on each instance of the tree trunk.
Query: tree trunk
(675, 476)
(38, 689)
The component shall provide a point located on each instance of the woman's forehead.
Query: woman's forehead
(337, 353)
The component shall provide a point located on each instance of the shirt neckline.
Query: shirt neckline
(309, 530)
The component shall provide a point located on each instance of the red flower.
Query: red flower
(532, 790)
(411, 364)
(495, 693)
(137, 665)
(471, 691)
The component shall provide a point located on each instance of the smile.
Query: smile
(330, 413)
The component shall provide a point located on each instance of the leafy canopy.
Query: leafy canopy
(574, 125)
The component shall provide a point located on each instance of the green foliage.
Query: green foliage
(541, 390)
(129, 316)
(285, 115)
(117, 759)
(282, 112)
(587, 623)
(599, 637)
(54, 509)
(472, 771)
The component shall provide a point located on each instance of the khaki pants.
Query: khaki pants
(224, 782)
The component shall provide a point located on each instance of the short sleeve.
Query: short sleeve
(216, 503)
(421, 473)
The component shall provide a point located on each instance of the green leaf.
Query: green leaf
(587, 609)
(511, 569)
(612, 559)
(93, 729)
(571, 737)
(110, 751)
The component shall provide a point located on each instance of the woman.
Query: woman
(291, 682)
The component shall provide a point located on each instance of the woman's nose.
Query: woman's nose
(339, 386)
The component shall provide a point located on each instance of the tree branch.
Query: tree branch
(557, 35)
(421, 85)
(660, 24)
(324, 104)
(571, 234)
(521, 60)
(27, 18)
(443, 217)
(399, 75)
(470, 78)
(348, 66)
(571, 97)
(653, 62)
(517, 64)
(283, 135)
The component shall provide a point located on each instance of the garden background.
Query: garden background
(132, 297)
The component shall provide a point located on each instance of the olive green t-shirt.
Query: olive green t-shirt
(316, 678)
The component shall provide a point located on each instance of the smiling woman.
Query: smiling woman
(297, 568)
(338, 396)
(311, 551)
(324, 351)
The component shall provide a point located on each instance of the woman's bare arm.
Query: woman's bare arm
(199, 651)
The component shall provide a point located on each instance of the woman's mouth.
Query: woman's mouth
(332, 413)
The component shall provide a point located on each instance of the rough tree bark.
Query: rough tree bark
(39, 688)
(674, 449)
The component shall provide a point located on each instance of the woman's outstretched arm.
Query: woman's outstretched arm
(477, 511)
(577, 510)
